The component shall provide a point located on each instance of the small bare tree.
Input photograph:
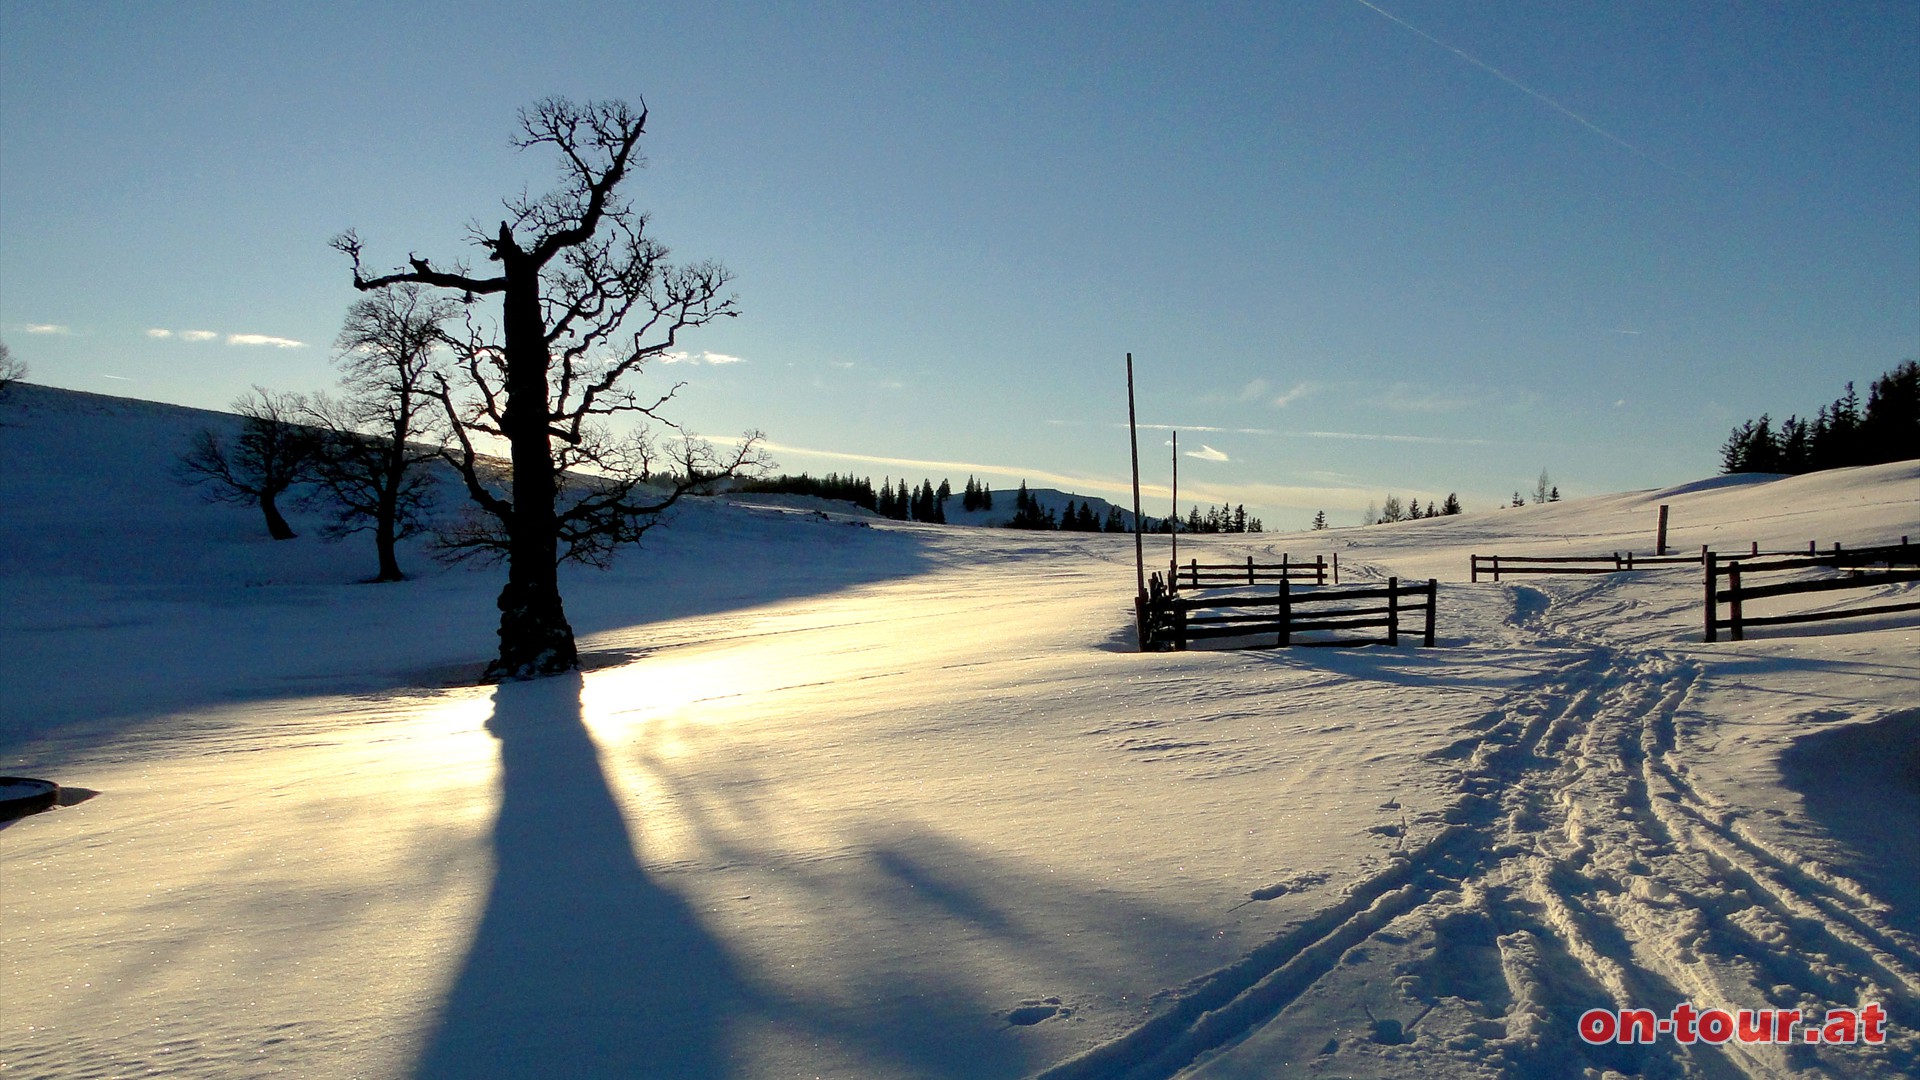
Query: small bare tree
(587, 298)
(273, 452)
(382, 435)
(11, 369)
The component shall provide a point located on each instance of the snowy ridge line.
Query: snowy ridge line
(1225, 1003)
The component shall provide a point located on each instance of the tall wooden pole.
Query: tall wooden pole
(1139, 545)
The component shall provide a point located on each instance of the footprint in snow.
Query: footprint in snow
(1030, 1013)
(1282, 888)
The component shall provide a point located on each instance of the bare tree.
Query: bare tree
(272, 453)
(587, 299)
(11, 370)
(382, 434)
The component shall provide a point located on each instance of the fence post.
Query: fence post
(1393, 611)
(1320, 569)
(1286, 566)
(1179, 624)
(1336, 568)
(1496, 569)
(1433, 593)
(1286, 613)
(1713, 605)
(1473, 569)
(1250, 569)
(1629, 561)
(1733, 601)
(1811, 548)
(1193, 573)
(1660, 537)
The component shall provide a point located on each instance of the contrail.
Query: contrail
(1520, 86)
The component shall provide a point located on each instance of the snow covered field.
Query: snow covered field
(843, 798)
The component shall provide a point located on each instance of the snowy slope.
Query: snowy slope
(901, 801)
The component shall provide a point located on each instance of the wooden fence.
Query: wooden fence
(1623, 562)
(1199, 575)
(1168, 618)
(1738, 570)
(1615, 563)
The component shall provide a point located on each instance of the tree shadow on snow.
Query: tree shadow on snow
(582, 965)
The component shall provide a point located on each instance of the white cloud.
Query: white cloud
(712, 358)
(1207, 453)
(48, 328)
(1299, 391)
(198, 335)
(157, 332)
(1254, 390)
(263, 339)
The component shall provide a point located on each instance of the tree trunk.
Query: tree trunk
(386, 518)
(383, 544)
(277, 526)
(535, 638)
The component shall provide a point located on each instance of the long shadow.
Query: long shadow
(582, 965)
(1861, 784)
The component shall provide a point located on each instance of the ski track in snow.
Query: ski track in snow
(1578, 864)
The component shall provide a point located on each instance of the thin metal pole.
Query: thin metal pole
(1175, 532)
(1133, 434)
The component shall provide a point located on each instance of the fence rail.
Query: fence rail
(1169, 618)
(1737, 593)
(1614, 563)
(1626, 561)
(1199, 575)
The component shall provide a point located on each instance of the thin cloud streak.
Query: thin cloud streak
(1074, 482)
(1357, 436)
(265, 339)
(48, 328)
(1522, 87)
(1207, 453)
(1120, 491)
(1205, 429)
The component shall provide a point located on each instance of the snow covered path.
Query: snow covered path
(1581, 864)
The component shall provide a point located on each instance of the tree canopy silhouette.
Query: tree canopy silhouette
(586, 299)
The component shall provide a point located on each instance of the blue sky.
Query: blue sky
(1412, 246)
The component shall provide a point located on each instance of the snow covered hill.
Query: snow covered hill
(843, 797)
